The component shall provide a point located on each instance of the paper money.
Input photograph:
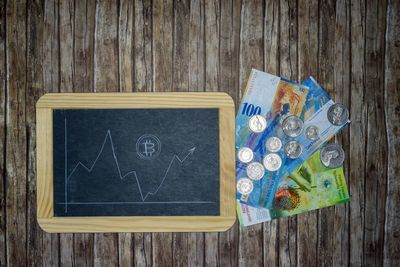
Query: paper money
(282, 99)
(273, 98)
(311, 186)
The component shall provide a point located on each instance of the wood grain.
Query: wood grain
(351, 47)
(251, 56)
(392, 124)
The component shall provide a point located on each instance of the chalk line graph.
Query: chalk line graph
(121, 176)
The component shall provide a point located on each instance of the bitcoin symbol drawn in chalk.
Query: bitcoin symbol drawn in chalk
(148, 146)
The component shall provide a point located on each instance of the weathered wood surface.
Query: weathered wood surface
(351, 47)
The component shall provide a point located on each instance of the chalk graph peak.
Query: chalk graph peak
(89, 168)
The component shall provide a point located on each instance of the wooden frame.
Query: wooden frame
(44, 144)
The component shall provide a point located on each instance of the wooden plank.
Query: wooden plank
(229, 43)
(35, 89)
(392, 119)
(357, 133)
(106, 79)
(125, 75)
(66, 44)
(15, 173)
(287, 233)
(195, 241)
(142, 249)
(342, 94)
(106, 47)
(83, 67)
(209, 80)
(50, 84)
(143, 82)
(83, 81)
(3, 81)
(271, 65)
(163, 76)
(162, 45)
(376, 150)
(125, 45)
(181, 45)
(251, 56)
(143, 71)
(325, 77)
(180, 83)
(307, 65)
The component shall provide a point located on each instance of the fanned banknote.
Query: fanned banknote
(275, 99)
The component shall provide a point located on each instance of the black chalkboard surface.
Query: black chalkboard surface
(136, 162)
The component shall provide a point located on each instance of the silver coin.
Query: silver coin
(338, 114)
(255, 171)
(257, 123)
(244, 186)
(293, 149)
(312, 132)
(332, 155)
(245, 154)
(272, 162)
(273, 144)
(292, 126)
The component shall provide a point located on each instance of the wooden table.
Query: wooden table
(352, 49)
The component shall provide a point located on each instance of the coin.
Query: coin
(292, 126)
(255, 171)
(244, 186)
(338, 114)
(257, 123)
(293, 149)
(272, 162)
(273, 144)
(245, 155)
(312, 132)
(332, 155)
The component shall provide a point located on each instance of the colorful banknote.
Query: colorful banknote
(274, 99)
(311, 186)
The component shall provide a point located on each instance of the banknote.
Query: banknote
(311, 186)
(273, 98)
(282, 98)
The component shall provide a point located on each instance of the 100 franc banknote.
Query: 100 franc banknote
(271, 97)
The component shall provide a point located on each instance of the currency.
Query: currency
(273, 144)
(292, 126)
(244, 186)
(257, 123)
(245, 155)
(332, 155)
(338, 114)
(255, 171)
(287, 108)
(309, 187)
(293, 149)
(272, 162)
(312, 132)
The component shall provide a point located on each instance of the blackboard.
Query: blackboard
(136, 162)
